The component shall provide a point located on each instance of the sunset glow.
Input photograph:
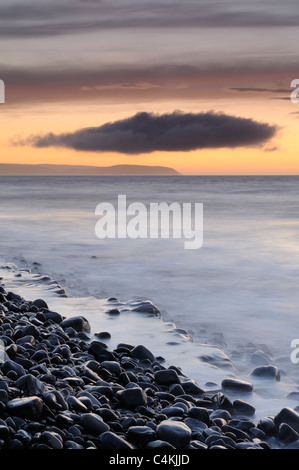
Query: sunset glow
(84, 64)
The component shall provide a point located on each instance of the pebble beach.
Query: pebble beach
(63, 387)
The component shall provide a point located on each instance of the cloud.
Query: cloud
(271, 149)
(147, 132)
(138, 83)
(259, 90)
(71, 17)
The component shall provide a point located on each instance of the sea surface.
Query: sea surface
(238, 294)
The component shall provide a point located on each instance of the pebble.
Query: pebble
(243, 408)
(140, 434)
(237, 384)
(176, 433)
(266, 372)
(110, 440)
(131, 398)
(288, 416)
(94, 424)
(267, 425)
(78, 323)
(166, 377)
(28, 407)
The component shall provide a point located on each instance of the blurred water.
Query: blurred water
(240, 290)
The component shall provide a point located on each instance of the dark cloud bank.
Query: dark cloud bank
(148, 132)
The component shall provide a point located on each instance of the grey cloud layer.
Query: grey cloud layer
(31, 19)
(147, 132)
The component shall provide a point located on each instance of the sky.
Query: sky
(200, 86)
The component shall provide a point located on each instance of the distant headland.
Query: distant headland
(14, 169)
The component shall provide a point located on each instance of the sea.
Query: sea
(224, 308)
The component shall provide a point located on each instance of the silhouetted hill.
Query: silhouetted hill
(10, 169)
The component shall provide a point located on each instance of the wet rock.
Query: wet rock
(247, 445)
(245, 424)
(192, 388)
(113, 311)
(76, 404)
(140, 434)
(29, 407)
(197, 427)
(40, 303)
(199, 413)
(110, 440)
(141, 352)
(288, 416)
(224, 414)
(112, 366)
(78, 323)
(53, 316)
(267, 425)
(159, 445)
(10, 365)
(166, 377)
(30, 385)
(132, 397)
(99, 352)
(147, 307)
(266, 372)
(237, 384)
(287, 434)
(172, 411)
(52, 439)
(243, 408)
(176, 433)
(93, 424)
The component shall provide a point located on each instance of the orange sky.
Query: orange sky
(279, 156)
(62, 81)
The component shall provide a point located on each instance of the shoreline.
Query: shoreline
(63, 389)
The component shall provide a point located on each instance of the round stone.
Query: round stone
(166, 377)
(176, 433)
(93, 424)
(237, 384)
(28, 407)
(266, 372)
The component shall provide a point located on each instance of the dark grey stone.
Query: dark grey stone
(110, 440)
(244, 408)
(28, 408)
(166, 377)
(78, 323)
(52, 439)
(141, 352)
(176, 433)
(40, 303)
(288, 416)
(266, 372)
(10, 365)
(237, 384)
(132, 397)
(112, 366)
(287, 434)
(31, 385)
(172, 411)
(267, 425)
(199, 413)
(140, 434)
(93, 424)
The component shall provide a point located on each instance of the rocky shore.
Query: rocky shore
(61, 390)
